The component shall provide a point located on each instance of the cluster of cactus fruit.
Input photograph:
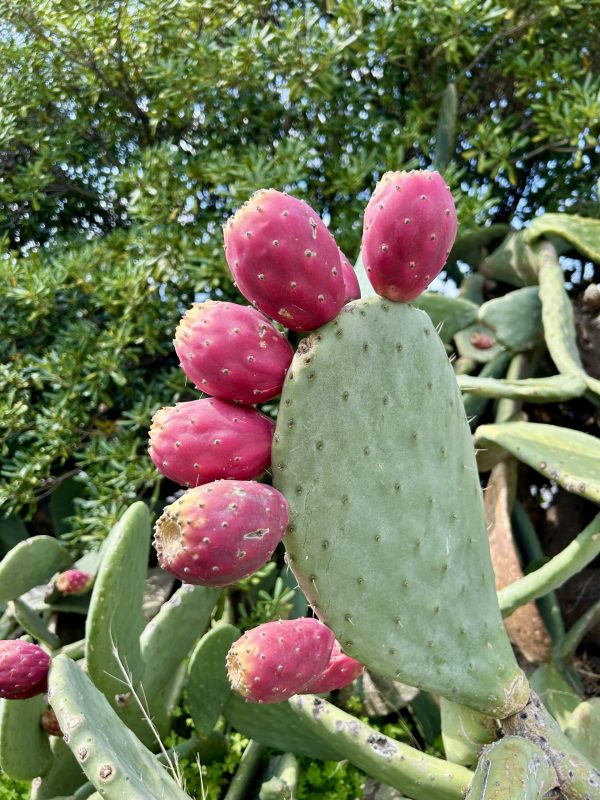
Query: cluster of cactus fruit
(376, 496)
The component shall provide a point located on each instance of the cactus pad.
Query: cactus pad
(387, 535)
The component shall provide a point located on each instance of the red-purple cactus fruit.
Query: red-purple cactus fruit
(271, 663)
(74, 582)
(285, 261)
(221, 532)
(205, 440)
(23, 669)
(409, 228)
(49, 722)
(340, 672)
(232, 352)
(350, 280)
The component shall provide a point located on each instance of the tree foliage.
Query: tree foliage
(130, 131)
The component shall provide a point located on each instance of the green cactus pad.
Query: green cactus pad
(29, 564)
(583, 729)
(581, 232)
(512, 768)
(449, 314)
(111, 756)
(115, 615)
(575, 556)
(277, 726)
(208, 688)
(283, 779)
(559, 323)
(169, 637)
(558, 695)
(31, 622)
(515, 318)
(465, 732)
(531, 390)
(465, 338)
(64, 777)
(564, 455)
(405, 768)
(387, 535)
(24, 747)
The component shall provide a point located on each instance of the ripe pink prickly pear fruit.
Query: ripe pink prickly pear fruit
(340, 672)
(74, 582)
(271, 663)
(232, 352)
(23, 669)
(219, 533)
(409, 228)
(204, 440)
(350, 280)
(284, 260)
(49, 722)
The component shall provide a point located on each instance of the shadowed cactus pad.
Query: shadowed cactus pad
(391, 550)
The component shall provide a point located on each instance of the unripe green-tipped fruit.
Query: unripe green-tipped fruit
(219, 533)
(409, 228)
(23, 669)
(271, 663)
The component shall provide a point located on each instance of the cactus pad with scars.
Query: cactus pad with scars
(284, 260)
(512, 768)
(114, 760)
(392, 552)
(204, 440)
(405, 768)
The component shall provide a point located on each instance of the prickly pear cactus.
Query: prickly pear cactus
(387, 537)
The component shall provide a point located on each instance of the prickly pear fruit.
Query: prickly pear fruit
(219, 533)
(23, 669)
(49, 722)
(340, 672)
(74, 581)
(284, 260)
(350, 280)
(204, 440)
(232, 352)
(271, 663)
(409, 228)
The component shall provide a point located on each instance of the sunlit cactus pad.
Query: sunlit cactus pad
(387, 536)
